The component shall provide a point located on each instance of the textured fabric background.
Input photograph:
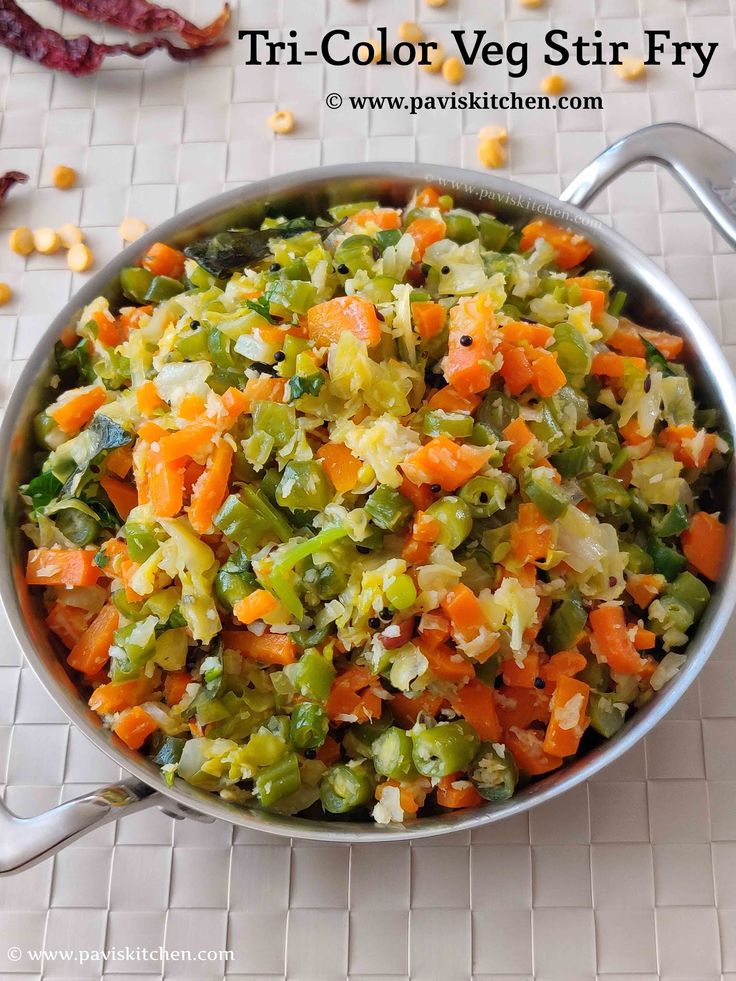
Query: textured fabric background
(632, 876)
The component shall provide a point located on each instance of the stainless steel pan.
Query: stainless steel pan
(705, 167)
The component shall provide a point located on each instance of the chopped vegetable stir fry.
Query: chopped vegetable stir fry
(379, 514)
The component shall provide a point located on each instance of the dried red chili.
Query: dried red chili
(9, 179)
(75, 55)
(143, 17)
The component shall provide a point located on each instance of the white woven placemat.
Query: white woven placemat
(630, 877)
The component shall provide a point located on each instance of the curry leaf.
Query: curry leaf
(101, 435)
(42, 490)
(305, 385)
(655, 358)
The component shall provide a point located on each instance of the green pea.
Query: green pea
(402, 593)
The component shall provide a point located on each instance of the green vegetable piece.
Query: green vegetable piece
(670, 613)
(275, 520)
(304, 486)
(42, 490)
(688, 589)
(497, 410)
(293, 295)
(305, 385)
(345, 787)
(234, 580)
(309, 725)
(279, 581)
(133, 611)
(388, 509)
(597, 675)
(163, 288)
(278, 780)
(169, 751)
(312, 675)
(548, 429)
(608, 495)
(638, 560)
(293, 347)
(607, 714)
(46, 431)
(565, 624)
(493, 773)
(392, 754)
(402, 593)
(359, 739)
(571, 462)
(78, 526)
(241, 523)
(448, 747)
(342, 211)
(387, 237)
(141, 541)
(483, 495)
(543, 492)
(135, 283)
(379, 289)
(574, 354)
(666, 560)
(494, 234)
(455, 520)
(440, 423)
(275, 419)
(193, 345)
(460, 228)
(355, 252)
(675, 521)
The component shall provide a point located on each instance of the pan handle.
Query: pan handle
(26, 841)
(704, 167)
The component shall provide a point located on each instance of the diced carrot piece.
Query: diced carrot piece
(162, 260)
(211, 489)
(69, 337)
(597, 301)
(524, 676)
(526, 746)
(567, 720)
(520, 332)
(124, 496)
(531, 535)
(383, 218)
(428, 197)
(521, 706)
(446, 463)
(437, 633)
(353, 696)
(175, 686)
(119, 461)
(187, 441)
(446, 664)
(614, 365)
(340, 466)
(61, 567)
(519, 435)
(419, 494)
(406, 710)
(68, 623)
(165, 486)
(119, 695)
(109, 330)
(151, 432)
(254, 606)
(516, 370)
(691, 447)
(571, 247)
(466, 614)
(548, 376)
(627, 339)
(235, 401)
(425, 232)
(450, 400)
(192, 472)
(134, 727)
(75, 412)
(191, 407)
(563, 664)
(644, 587)
(476, 704)
(631, 434)
(329, 752)
(463, 796)
(645, 640)
(425, 528)
(407, 801)
(429, 318)
(704, 544)
(267, 649)
(469, 367)
(91, 652)
(326, 321)
(263, 389)
(611, 636)
(416, 552)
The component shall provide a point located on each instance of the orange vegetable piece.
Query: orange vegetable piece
(466, 614)
(428, 197)
(329, 752)
(631, 434)
(516, 370)
(450, 400)
(445, 663)
(192, 472)
(134, 727)
(429, 318)
(165, 486)
(119, 461)
(526, 746)
(340, 466)
(446, 463)
(263, 389)
(91, 652)
(67, 622)
(563, 664)
(406, 710)
(704, 544)
(235, 402)
(524, 676)
(175, 686)
(520, 332)
(326, 321)
(151, 432)
(614, 365)
(531, 535)
(383, 218)
(519, 435)
(351, 695)
(457, 797)
(645, 640)
(254, 606)
(75, 412)
(570, 247)
(438, 633)
(690, 446)
(267, 649)
(419, 494)
(521, 706)
(567, 720)
(627, 339)
(425, 527)
(407, 801)
(416, 552)
(469, 367)
(644, 587)
(211, 489)
(109, 330)
(597, 301)
(611, 635)
(124, 496)
(119, 695)
(548, 376)
(191, 407)
(61, 567)
(425, 232)
(162, 260)
(476, 704)
(187, 441)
